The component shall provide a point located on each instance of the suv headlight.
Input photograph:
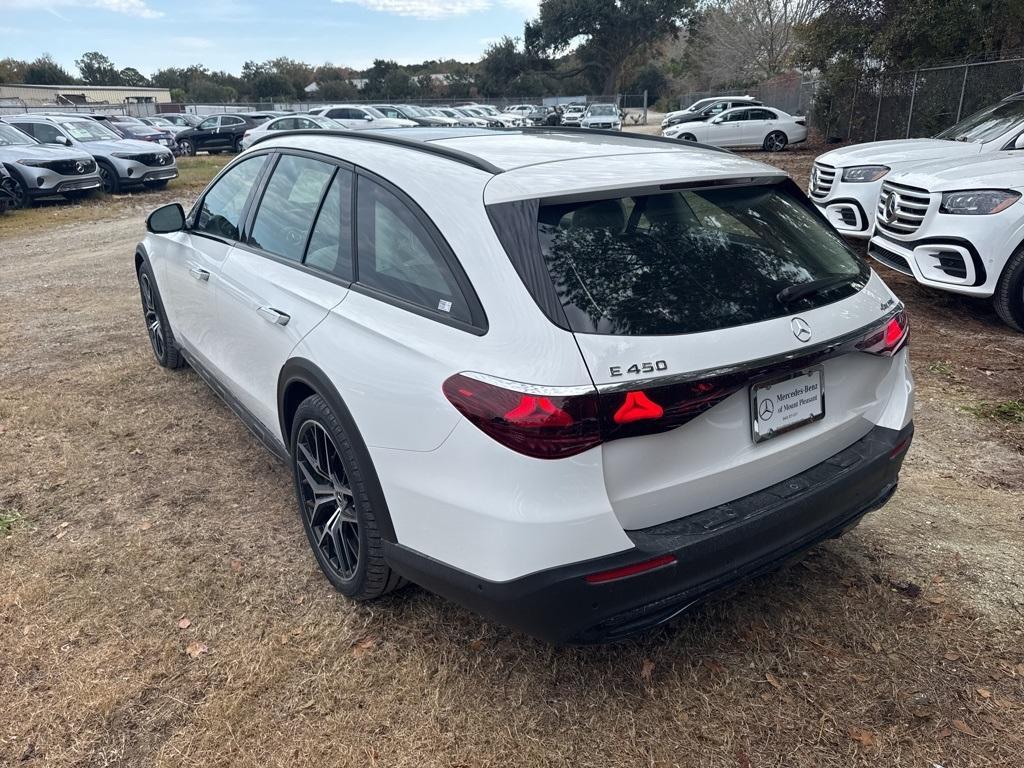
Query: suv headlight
(978, 202)
(864, 173)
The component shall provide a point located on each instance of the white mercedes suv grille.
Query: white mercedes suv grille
(901, 209)
(822, 179)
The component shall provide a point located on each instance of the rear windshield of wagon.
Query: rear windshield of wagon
(692, 260)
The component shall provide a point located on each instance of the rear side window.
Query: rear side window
(330, 246)
(690, 261)
(289, 206)
(221, 211)
(397, 255)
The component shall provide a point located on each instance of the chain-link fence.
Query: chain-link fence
(912, 104)
(793, 93)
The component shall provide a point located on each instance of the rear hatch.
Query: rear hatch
(735, 339)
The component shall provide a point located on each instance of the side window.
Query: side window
(282, 125)
(303, 123)
(289, 206)
(735, 117)
(208, 124)
(221, 210)
(398, 256)
(330, 247)
(228, 121)
(48, 134)
(29, 128)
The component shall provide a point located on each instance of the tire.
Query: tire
(236, 145)
(687, 137)
(111, 182)
(20, 197)
(775, 141)
(334, 504)
(161, 339)
(186, 147)
(1009, 296)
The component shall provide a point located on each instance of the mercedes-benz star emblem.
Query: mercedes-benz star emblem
(162, 159)
(891, 204)
(79, 167)
(801, 329)
(767, 410)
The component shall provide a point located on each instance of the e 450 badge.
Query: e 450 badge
(637, 368)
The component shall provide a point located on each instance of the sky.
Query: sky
(223, 34)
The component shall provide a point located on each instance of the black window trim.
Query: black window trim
(193, 213)
(254, 204)
(478, 324)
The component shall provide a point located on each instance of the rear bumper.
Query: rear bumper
(713, 549)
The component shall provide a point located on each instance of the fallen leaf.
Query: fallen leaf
(184, 623)
(236, 566)
(963, 727)
(773, 680)
(936, 599)
(714, 665)
(865, 738)
(945, 733)
(743, 760)
(145, 525)
(195, 649)
(646, 668)
(876, 647)
(476, 645)
(985, 693)
(361, 647)
(951, 656)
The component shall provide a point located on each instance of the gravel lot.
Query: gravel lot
(159, 606)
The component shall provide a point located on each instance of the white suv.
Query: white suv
(958, 225)
(846, 182)
(575, 382)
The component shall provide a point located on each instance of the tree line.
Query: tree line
(612, 46)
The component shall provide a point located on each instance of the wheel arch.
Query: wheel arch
(301, 378)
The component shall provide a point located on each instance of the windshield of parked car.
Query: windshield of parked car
(602, 109)
(691, 261)
(988, 124)
(697, 106)
(159, 121)
(414, 111)
(375, 112)
(88, 130)
(11, 136)
(325, 122)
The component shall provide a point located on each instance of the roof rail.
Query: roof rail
(677, 143)
(397, 140)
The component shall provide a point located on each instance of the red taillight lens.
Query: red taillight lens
(615, 574)
(890, 338)
(545, 425)
(637, 407)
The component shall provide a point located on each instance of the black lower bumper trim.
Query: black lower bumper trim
(713, 549)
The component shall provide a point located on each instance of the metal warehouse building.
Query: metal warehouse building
(70, 96)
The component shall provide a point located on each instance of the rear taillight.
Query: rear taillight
(890, 338)
(603, 577)
(545, 423)
(800, 121)
(246, 134)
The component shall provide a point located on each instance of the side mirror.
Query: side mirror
(166, 218)
(65, 141)
(1019, 143)
(717, 120)
(368, 118)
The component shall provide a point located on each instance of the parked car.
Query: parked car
(182, 119)
(39, 170)
(705, 109)
(163, 124)
(128, 127)
(672, 438)
(573, 114)
(218, 133)
(358, 117)
(121, 162)
(541, 116)
(449, 120)
(604, 116)
(957, 225)
(291, 123)
(505, 119)
(846, 182)
(414, 114)
(8, 194)
(469, 119)
(770, 129)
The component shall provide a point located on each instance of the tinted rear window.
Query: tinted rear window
(690, 261)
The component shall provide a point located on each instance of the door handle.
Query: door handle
(199, 273)
(271, 315)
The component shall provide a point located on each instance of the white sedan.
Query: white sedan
(770, 129)
(290, 123)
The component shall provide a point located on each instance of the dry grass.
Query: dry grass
(134, 499)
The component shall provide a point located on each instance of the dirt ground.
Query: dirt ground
(159, 605)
